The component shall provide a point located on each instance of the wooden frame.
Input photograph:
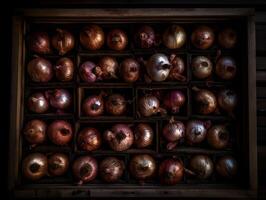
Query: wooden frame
(109, 15)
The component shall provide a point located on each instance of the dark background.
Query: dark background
(10, 6)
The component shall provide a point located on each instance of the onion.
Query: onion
(39, 42)
(173, 132)
(117, 40)
(109, 67)
(196, 131)
(115, 105)
(227, 100)
(58, 164)
(59, 99)
(34, 166)
(92, 37)
(40, 70)
(120, 137)
(227, 167)
(89, 139)
(174, 37)
(143, 135)
(227, 38)
(60, 132)
(174, 100)
(63, 41)
(218, 137)
(149, 105)
(37, 103)
(85, 169)
(142, 167)
(130, 70)
(145, 37)
(111, 169)
(64, 69)
(202, 37)
(171, 172)
(177, 69)
(93, 105)
(89, 72)
(226, 68)
(201, 166)
(206, 101)
(201, 67)
(35, 131)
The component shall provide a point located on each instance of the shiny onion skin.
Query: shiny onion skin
(117, 40)
(201, 67)
(109, 67)
(218, 137)
(89, 72)
(59, 99)
(60, 132)
(89, 139)
(92, 37)
(227, 100)
(143, 135)
(63, 41)
(149, 105)
(142, 167)
(145, 37)
(120, 137)
(226, 68)
(85, 169)
(39, 42)
(130, 70)
(34, 166)
(227, 167)
(58, 164)
(178, 68)
(202, 37)
(37, 103)
(171, 172)
(206, 102)
(174, 100)
(64, 69)
(115, 105)
(227, 38)
(93, 106)
(111, 169)
(174, 37)
(196, 131)
(40, 70)
(201, 166)
(35, 131)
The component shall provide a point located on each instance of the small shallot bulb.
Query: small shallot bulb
(145, 37)
(178, 68)
(149, 105)
(206, 101)
(196, 131)
(130, 70)
(226, 68)
(143, 135)
(201, 166)
(37, 103)
(63, 41)
(115, 105)
(227, 100)
(174, 37)
(59, 99)
(201, 67)
(39, 42)
(58, 164)
(40, 70)
(93, 106)
(109, 67)
(171, 172)
(92, 37)
(218, 137)
(117, 40)
(227, 167)
(89, 72)
(174, 101)
(35, 131)
(202, 37)
(64, 69)
(89, 139)
(227, 38)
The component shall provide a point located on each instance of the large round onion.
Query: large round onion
(196, 131)
(202, 37)
(58, 164)
(227, 38)
(205, 100)
(39, 42)
(63, 41)
(109, 67)
(130, 70)
(226, 68)
(115, 105)
(174, 37)
(89, 139)
(93, 106)
(89, 72)
(177, 69)
(227, 100)
(92, 37)
(149, 105)
(64, 69)
(201, 166)
(174, 100)
(145, 37)
(117, 40)
(37, 103)
(201, 67)
(40, 70)
(227, 167)
(35, 131)
(171, 172)
(60, 132)
(143, 135)
(59, 99)
(218, 137)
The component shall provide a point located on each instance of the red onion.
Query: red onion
(89, 72)
(60, 132)
(227, 100)
(202, 37)
(206, 101)
(143, 135)
(115, 105)
(201, 166)
(85, 169)
(109, 67)
(37, 103)
(177, 69)
(40, 70)
(171, 172)
(174, 37)
(142, 167)
(149, 105)
(34, 166)
(227, 167)
(111, 169)
(201, 67)
(227, 38)
(145, 37)
(174, 100)
(35, 131)
(39, 42)
(117, 40)
(130, 70)
(218, 137)
(92, 37)
(89, 139)
(64, 69)
(58, 164)
(63, 41)
(59, 99)
(226, 68)
(120, 137)
(196, 131)
(93, 105)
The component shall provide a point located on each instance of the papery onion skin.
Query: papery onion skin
(218, 137)
(92, 37)
(174, 100)
(201, 67)
(63, 41)
(93, 106)
(226, 68)
(178, 68)
(89, 72)
(203, 37)
(145, 37)
(174, 37)
(227, 100)
(130, 70)
(143, 134)
(40, 70)
(111, 169)
(171, 172)
(58, 164)
(85, 169)
(64, 69)
(35, 131)
(149, 105)
(116, 105)
(60, 132)
(89, 139)
(39, 42)
(196, 131)
(37, 103)
(227, 167)
(206, 102)
(201, 166)
(227, 38)
(117, 40)
(34, 166)
(59, 99)
(109, 67)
